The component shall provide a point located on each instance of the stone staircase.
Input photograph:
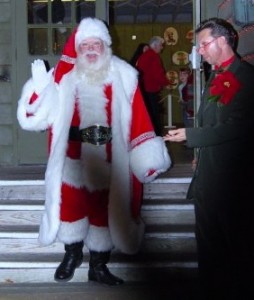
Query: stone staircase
(168, 250)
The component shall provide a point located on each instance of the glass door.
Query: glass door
(42, 27)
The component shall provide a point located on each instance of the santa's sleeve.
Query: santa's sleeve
(35, 110)
(148, 154)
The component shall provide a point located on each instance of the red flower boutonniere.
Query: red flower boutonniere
(223, 87)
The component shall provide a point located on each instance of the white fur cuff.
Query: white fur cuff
(150, 155)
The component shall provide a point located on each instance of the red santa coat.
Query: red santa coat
(135, 149)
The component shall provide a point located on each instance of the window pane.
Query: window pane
(61, 12)
(59, 39)
(37, 41)
(50, 23)
(30, 12)
(84, 9)
(37, 12)
(150, 11)
(58, 11)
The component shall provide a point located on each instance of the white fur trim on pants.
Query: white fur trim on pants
(98, 239)
(73, 232)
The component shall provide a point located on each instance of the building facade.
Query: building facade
(25, 36)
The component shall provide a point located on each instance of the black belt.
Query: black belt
(96, 134)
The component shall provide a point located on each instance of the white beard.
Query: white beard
(94, 73)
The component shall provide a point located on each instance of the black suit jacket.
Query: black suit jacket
(224, 138)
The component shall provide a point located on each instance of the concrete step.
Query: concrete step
(26, 242)
(174, 289)
(22, 189)
(167, 188)
(18, 216)
(162, 188)
(142, 267)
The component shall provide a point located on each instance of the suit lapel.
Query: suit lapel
(204, 99)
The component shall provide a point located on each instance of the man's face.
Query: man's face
(158, 48)
(208, 46)
(91, 49)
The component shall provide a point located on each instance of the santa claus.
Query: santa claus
(102, 148)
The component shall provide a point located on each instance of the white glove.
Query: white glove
(40, 76)
(150, 176)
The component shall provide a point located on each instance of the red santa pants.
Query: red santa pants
(80, 203)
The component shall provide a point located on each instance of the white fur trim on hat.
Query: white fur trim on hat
(92, 27)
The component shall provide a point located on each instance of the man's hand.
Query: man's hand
(40, 75)
(176, 135)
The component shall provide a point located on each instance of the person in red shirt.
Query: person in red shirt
(153, 79)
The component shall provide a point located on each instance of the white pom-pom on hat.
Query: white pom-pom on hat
(92, 27)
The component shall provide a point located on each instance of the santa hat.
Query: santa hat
(88, 27)
(91, 27)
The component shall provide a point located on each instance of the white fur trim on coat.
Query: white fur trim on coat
(152, 154)
(53, 177)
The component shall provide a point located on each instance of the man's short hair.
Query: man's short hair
(220, 27)
(155, 41)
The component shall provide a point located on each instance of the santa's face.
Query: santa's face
(91, 49)
(93, 60)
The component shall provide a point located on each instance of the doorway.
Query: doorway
(42, 27)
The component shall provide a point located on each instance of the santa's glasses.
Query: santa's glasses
(91, 46)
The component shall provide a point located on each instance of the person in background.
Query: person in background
(223, 181)
(142, 47)
(153, 79)
(186, 96)
(102, 148)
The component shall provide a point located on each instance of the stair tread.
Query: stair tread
(27, 172)
(19, 228)
(159, 244)
(32, 202)
(170, 228)
(154, 201)
(146, 202)
(116, 258)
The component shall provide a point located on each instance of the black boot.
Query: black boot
(98, 270)
(73, 258)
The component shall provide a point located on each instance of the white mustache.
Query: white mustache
(92, 52)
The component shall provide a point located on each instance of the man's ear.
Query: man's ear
(222, 41)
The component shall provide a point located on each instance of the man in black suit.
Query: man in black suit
(223, 181)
